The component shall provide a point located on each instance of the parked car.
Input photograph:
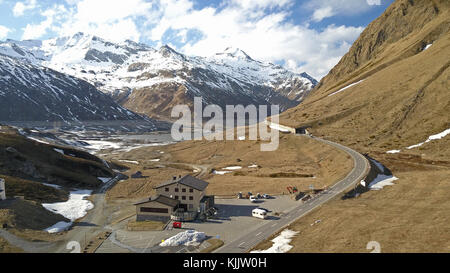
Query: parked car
(253, 199)
(176, 225)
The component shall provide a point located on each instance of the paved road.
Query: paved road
(248, 241)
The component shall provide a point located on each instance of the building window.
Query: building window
(176, 197)
(191, 206)
(155, 210)
(183, 197)
(167, 189)
(191, 198)
(183, 190)
(191, 190)
(176, 189)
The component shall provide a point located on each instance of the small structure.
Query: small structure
(302, 130)
(2, 189)
(156, 208)
(138, 174)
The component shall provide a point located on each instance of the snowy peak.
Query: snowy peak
(168, 52)
(233, 52)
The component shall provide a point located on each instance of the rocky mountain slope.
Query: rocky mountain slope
(33, 93)
(391, 90)
(151, 81)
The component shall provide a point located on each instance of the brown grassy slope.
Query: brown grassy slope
(296, 156)
(27, 159)
(34, 191)
(156, 104)
(404, 97)
(410, 216)
(23, 214)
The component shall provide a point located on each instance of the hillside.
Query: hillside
(390, 91)
(388, 96)
(32, 93)
(151, 81)
(27, 160)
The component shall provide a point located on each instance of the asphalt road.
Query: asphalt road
(248, 241)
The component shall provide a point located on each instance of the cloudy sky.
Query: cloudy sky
(305, 36)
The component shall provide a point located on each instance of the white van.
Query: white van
(259, 213)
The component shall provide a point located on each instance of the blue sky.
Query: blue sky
(309, 35)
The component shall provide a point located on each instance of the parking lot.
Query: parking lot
(233, 220)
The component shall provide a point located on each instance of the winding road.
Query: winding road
(359, 172)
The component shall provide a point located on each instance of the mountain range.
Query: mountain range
(151, 81)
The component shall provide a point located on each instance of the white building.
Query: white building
(2, 189)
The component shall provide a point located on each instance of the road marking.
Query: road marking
(274, 224)
(258, 233)
(241, 244)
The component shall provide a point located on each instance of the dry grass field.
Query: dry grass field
(299, 162)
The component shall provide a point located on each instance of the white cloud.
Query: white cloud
(270, 37)
(327, 8)
(35, 31)
(322, 13)
(20, 7)
(110, 19)
(4, 32)
(262, 28)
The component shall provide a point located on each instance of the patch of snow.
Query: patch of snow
(59, 151)
(343, 89)
(430, 138)
(393, 151)
(74, 208)
(104, 179)
(38, 140)
(382, 180)
(427, 47)
(232, 168)
(59, 227)
(155, 160)
(97, 145)
(277, 127)
(221, 172)
(52, 185)
(188, 237)
(378, 164)
(253, 166)
(280, 243)
(129, 161)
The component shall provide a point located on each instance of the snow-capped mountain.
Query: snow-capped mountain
(152, 81)
(33, 93)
